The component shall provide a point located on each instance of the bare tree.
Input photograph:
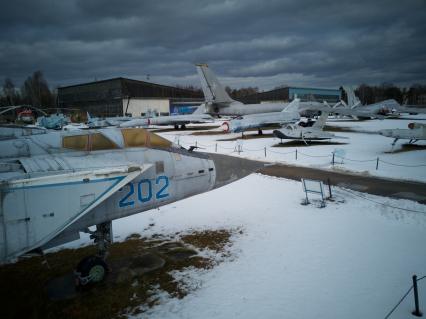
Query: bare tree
(9, 92)
(36, 91)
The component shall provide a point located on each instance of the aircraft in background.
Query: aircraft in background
(218, 101)
(98, 122)
(56, 184)
(54, 121)
(198, 116)
(414, 133)
(306, 134)
(386, 108)
(290, 114)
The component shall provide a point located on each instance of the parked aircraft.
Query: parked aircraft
(55, 184)
(414, 133)
(306, 133)
(384, 108)
(98, 122)
(198, 116)
(54, 121)
(218, 102)
(261, 120)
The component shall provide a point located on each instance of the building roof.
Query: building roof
(125, 81)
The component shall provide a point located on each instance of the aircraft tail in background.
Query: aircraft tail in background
(293, 106)
(214, 92)
(320, 123)
(353, 100)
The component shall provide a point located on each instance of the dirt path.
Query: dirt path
(369, 184)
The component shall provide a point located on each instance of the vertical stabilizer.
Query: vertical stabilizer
(293, 106)
(201, 109)
(213, 90)
(353, 100)
(320, 123)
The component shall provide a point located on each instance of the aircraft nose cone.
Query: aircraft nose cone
(230, 168)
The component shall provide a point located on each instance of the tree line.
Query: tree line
(34, 91)
(372, 94)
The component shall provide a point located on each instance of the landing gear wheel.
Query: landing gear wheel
(91, 269)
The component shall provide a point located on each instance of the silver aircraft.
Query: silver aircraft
(414, 133)
(218, 101)
(386, 108)
(306, 134)
(56, 184)
(290, 114)
(198, 116)
(98, 122)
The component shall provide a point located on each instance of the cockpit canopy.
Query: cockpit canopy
(96, 141)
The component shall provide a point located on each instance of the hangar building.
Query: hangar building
(287, 94)
(120, 96)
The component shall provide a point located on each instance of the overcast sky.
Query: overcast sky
(246, 43)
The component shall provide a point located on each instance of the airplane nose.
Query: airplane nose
(229, 168)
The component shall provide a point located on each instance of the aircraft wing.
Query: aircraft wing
(36, 209)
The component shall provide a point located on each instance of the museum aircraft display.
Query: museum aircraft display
(306, 134)
(218, 101)
(56, 184)
(388, 108)
(290, 114)
(414, 133)
(198, 116)
(98, 122)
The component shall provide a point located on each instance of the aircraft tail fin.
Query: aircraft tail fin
(200, 109)
(320, 123)
(293, 106)
(353, 100)
(213, 90)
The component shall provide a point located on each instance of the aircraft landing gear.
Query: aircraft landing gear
(183, 127)
(93, 269)
(176, 126)
(260, 132)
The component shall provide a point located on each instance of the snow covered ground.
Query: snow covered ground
(348, 260)
(359, 151)
(351, 259)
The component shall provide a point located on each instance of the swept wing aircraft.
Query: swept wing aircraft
(218, 101)
(378, 110)
(98, 122)
(414, 133)
(261, 120)
(56, 184)
(198, 116)
(306, 134)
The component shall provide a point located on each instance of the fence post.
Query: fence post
(329, 187)
(377, 163)
(332, 160)
(265, 151)
(195, 143)
(296, 154)
(416, 311)
(239, 149)
(215, 149)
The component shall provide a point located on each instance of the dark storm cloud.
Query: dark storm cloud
(265, 44)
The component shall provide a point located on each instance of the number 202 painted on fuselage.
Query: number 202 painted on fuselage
(144, 191)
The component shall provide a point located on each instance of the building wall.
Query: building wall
(142, 106)
(101, 98)
(109, 97)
